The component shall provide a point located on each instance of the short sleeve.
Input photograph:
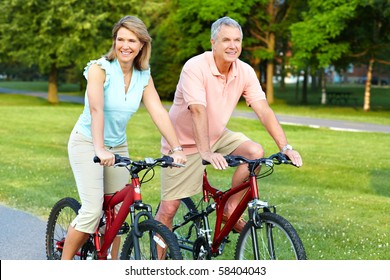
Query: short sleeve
(192, 85)
(104, 64)
(253, 91)
(145, 77)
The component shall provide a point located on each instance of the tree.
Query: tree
(267, 26)
(343, 32)
(369, 42)
(316, 40)
(57, 33)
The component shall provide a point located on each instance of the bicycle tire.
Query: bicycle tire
(60, 217)
(276, 238)
(152, 232)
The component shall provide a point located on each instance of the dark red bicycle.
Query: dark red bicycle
(266, 236)
(146, 234)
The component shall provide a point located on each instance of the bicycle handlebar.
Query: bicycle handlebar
(277, 159)
(165, 161)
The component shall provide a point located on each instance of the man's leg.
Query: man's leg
(167, 211)
(250, 150)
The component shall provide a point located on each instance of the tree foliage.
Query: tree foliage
(57, 33)
(340, 32)
(315, 35)
(65, 34)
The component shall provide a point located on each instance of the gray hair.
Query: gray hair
(216, 26)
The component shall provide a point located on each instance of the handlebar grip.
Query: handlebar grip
(117, 159)
(167, 161)
(230, 160)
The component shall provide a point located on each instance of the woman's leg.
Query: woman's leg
(74, 240)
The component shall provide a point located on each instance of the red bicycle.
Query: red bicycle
(145, 235)
(266, 235)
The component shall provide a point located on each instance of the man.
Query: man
(208, 91)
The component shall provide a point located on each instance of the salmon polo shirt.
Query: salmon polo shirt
(201, 83)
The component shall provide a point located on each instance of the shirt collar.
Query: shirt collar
(213, 66)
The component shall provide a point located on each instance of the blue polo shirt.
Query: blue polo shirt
(118, 105)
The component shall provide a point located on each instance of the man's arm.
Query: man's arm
(267, 117)
(200, 127)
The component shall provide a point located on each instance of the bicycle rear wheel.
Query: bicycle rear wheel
(275, 239)
(156, 242)
(61, 215)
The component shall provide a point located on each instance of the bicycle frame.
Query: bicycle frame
(221, 198)
(130, 194)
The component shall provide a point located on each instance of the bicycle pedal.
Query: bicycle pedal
(125, 228)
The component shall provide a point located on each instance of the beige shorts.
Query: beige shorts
(93, 180)
(177, 183)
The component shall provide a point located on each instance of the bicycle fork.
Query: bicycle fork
(145, 211)
(253, 209)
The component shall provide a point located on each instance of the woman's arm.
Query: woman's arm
(95, 92)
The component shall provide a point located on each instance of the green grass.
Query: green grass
(338, 201)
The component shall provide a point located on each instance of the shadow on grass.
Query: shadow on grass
(379, 182)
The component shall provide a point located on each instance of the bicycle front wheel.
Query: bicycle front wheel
(155, 242)
(275, 239)
(60, 217)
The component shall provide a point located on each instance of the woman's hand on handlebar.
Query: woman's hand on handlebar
(106, 158)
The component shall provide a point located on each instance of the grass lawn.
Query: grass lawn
(338, 201)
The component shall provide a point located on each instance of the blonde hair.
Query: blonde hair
(135, 25)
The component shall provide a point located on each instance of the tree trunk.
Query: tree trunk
(255, 62)
(304, 87)
(297, 88)
(52, 95)
(367, 92)
(323, 87)
(270, 69)
(283, 65)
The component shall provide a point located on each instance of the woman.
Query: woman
(116, 83)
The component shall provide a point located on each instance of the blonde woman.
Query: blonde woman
(116, 84)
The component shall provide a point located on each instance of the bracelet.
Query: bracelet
(285, 148)
(176, 149)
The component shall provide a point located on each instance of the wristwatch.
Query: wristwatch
(178, 148)
(285, 148)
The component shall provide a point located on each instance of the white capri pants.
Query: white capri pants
(93, 180)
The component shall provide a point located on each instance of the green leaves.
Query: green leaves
(319, 34)
(63, 32)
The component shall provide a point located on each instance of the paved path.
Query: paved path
(22, 235)
(327, 123)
